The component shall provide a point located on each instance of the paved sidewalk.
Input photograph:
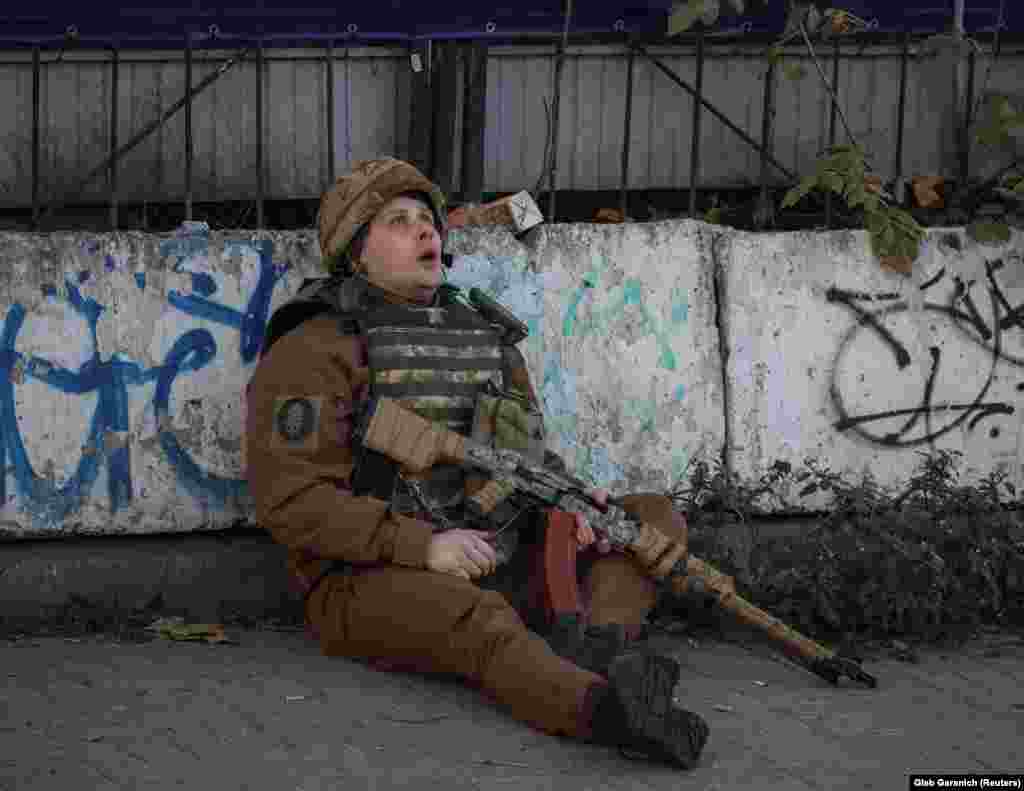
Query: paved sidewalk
(272, 714)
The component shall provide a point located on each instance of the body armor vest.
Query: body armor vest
(437, 361)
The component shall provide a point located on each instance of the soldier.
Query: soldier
(390, 571)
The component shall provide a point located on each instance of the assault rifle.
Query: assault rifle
(387, 428)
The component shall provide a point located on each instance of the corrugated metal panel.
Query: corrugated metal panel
(868, 91)
(515, 133)
(156, 167)
(16, 135)
(372, 100)
(593, 108)
(73, 124)
(224, 134)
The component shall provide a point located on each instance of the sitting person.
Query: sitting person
(394, 574)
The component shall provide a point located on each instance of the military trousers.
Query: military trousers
(428, 622)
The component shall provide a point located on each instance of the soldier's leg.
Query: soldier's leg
(443, 624)
(618, 589)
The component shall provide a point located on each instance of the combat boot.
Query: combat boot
(593, 648)
(636, 712)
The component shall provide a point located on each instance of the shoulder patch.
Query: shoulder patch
(297, 422)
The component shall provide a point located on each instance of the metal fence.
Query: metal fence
(259, 124)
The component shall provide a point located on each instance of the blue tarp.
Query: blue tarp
(166, 22)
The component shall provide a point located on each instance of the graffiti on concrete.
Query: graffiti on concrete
(112, 379)
(512, 282)
(985, 323)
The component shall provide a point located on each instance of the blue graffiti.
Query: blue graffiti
(111, 379)
(252, 323)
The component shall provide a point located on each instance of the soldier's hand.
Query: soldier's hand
(464, 553)
(585, 534)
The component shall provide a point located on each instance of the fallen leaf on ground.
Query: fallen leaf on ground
(175, 628)
(722, 707)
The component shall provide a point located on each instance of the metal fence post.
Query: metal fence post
(556, 101)
(188, 127)
(445, 102)
(36, 66)
(421, 115)
(626, 132)
(330, 114)
(968, 111)
(834, 107)
(901, 116)
(260, 186)
(474, 121)
(697, 107)
(112, 175)
(767, 124)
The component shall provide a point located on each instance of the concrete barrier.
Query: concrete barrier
(124, 361)
(125, 357)
(833, 358)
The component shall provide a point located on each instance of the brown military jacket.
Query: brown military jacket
(299, 475)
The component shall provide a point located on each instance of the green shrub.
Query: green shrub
(935, 561)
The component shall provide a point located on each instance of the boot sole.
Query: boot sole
(664, 730)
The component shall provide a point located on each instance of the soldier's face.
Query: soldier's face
(402, 252)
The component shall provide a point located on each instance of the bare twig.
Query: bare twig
(547, 148)
(492, 762)
(991, 63)
(825, 82)
(423, 721)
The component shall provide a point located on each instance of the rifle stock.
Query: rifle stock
(417, 444)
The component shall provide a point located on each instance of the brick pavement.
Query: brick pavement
(271, 713)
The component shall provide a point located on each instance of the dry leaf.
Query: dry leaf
(609, 215)
(897, 263)
(722, 707)
(840, 21)
(928, 191)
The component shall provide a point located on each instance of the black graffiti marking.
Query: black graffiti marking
(963, 293)
(935, 279)
(973, 412)
(988, 410)
(929, 388)
(1013, 319)
(869, 319)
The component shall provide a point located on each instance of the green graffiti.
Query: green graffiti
(582, 466)
(680, 460)
(645, 411)
(590, 280)
(630, 292)
(680, 306)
